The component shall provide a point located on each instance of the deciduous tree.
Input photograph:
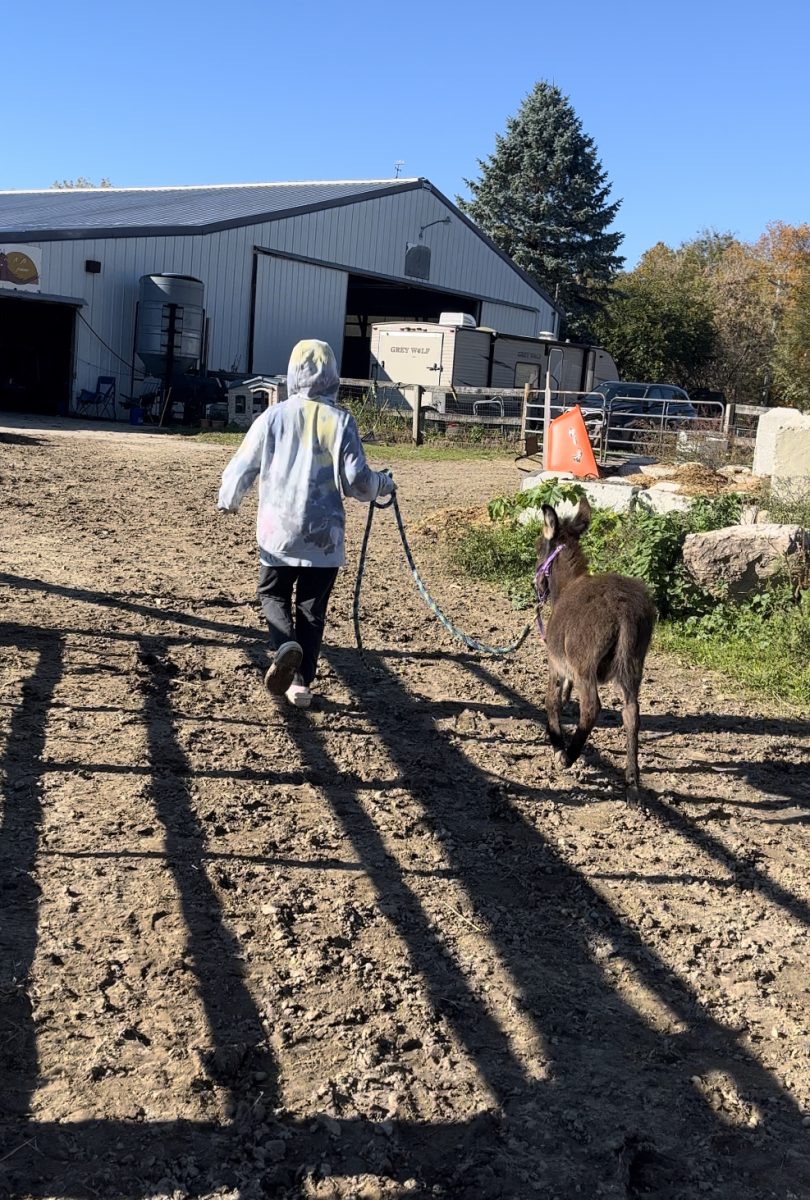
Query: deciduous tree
(79, 182)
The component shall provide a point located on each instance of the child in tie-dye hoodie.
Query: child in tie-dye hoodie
(307, 455)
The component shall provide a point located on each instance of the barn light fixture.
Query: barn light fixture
(441, 221)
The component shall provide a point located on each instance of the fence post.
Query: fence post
(728, 424)
(418, 422)
(546, 417)
(524, 412)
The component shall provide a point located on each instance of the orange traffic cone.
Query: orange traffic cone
(569, 447)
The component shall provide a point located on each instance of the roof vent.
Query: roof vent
(460, 320)
(417, 260)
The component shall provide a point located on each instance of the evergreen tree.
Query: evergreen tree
(543, 198)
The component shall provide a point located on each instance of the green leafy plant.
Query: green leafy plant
(550, 491)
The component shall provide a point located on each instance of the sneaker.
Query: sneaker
(283, 669)
(298, 694)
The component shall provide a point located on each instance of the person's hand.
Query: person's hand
(387, 485)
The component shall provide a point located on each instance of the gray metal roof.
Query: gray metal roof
(85, 212)
(58, 214)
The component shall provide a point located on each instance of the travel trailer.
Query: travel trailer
(457, 353)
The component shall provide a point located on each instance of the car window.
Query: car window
(628, 391)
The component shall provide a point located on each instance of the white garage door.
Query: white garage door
(293, 301)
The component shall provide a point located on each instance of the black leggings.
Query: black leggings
(313, 586)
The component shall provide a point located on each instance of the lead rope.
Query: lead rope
(470, 642)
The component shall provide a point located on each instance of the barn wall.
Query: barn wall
(369, 236)
(220, 261)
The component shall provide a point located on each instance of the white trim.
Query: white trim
(206, 187)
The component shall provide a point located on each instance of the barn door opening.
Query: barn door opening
(36, 355)
(370, 301)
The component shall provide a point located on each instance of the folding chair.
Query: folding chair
(99, 401)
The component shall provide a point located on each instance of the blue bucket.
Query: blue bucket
(136, 415)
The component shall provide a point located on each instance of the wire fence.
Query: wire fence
(469, 416)
(514, 419)
(625, 426)
(382, 411)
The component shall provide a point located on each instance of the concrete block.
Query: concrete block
(602, 493)
(605, 493)
(790, 469)
(666, 485)
(771, 424)
(660, 499)
(533, 481)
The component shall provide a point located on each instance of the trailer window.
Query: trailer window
(527, 373)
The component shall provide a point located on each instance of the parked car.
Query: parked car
(634, 411)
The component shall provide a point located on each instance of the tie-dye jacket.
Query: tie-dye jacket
(307, 455)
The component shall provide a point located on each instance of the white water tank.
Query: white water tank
(171, 322)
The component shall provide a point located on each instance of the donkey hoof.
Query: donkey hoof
(637, 797)
(561, 758)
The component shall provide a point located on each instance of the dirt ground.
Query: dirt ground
(385, 948)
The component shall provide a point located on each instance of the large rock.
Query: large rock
(771, 424)
(741, 559)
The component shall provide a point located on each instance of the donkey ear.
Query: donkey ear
(551, 522)
(581, 518)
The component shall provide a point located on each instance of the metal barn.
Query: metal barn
(277, 262)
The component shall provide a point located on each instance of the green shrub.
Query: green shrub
(789, 506)
(504, 554)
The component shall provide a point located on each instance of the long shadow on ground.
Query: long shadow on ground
(615, 1082)
(617, 1112)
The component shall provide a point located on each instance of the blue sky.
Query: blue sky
(700, 111)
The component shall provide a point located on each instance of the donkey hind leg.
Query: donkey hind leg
(589, 709)
(565, 691)
(630, 720)
(554, 709)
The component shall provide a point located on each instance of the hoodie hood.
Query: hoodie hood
(313, 372)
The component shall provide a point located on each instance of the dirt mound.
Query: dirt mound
(447, 524)
(695, 479)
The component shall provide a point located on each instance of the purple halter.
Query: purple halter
(541, 587)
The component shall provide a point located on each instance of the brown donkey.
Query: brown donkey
(599, 630)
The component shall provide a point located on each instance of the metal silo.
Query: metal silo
(170, 324)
